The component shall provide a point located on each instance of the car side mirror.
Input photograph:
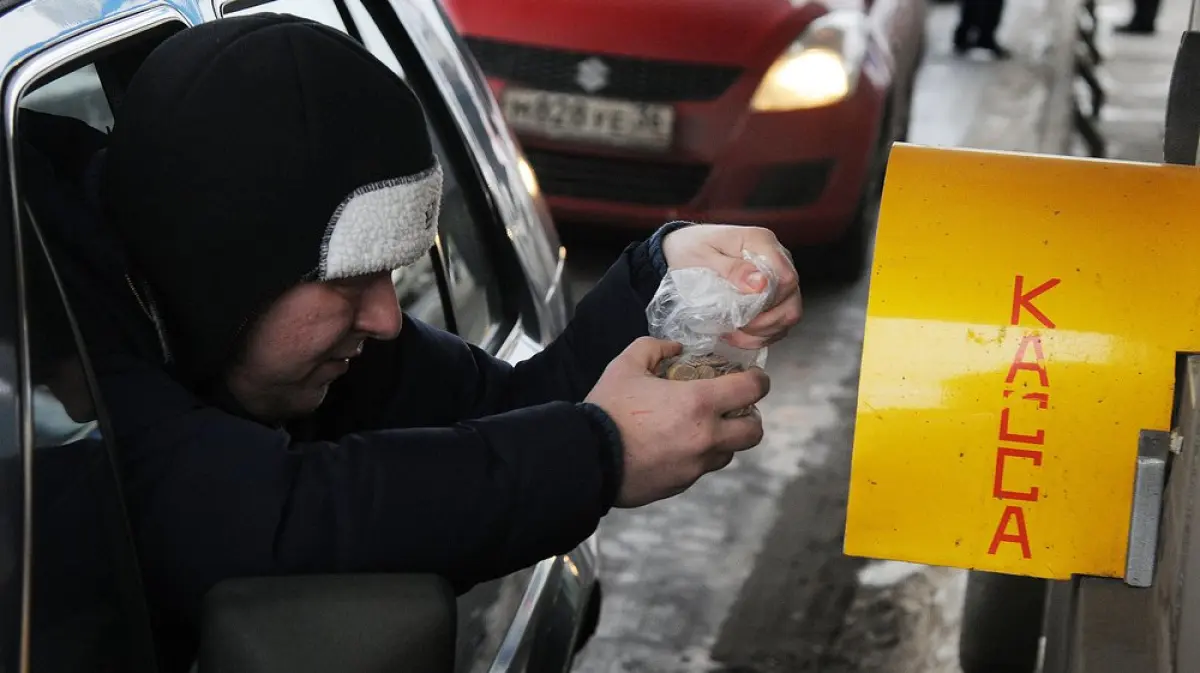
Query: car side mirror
(321, 623)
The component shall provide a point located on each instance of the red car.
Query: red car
(776, 113)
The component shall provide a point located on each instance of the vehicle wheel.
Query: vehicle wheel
(844, 260)
(1002, 623)
(902, 134)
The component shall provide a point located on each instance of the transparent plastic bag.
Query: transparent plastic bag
(696, 307)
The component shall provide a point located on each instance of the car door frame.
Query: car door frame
(53, 46)
(493, 147)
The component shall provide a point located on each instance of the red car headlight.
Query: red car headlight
(821, 68)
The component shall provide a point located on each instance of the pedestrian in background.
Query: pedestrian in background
(977, 27)
(1145, 13)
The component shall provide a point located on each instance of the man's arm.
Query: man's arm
(414, 390)
(608, 318)
(213, 496)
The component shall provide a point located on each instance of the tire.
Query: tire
(905, 130)
(1002, 623)
(845, 260)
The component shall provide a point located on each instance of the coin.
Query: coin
(681, 372)
(697, 366)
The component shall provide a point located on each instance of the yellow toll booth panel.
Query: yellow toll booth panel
(1024, 318)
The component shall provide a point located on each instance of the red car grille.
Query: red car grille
(630, 78)
(618, 180)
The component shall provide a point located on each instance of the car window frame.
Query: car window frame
(494, 332)
(15, 403)
(485, 218)
(49, 60)
(516, 304)
(531, 231)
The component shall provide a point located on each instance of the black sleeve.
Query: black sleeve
(212, 496)
(608, 318)
(434, 378)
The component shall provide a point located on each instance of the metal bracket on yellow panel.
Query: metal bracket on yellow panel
(1149, 477)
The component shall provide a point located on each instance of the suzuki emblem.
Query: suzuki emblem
(592, 75)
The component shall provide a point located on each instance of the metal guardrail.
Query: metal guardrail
(1088, 95)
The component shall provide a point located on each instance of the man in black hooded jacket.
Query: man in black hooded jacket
(274, 410)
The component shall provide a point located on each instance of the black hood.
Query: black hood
(253, 153)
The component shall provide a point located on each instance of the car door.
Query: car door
(475, 282)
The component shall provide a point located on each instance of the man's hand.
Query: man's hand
(674, 432)
(719, 247)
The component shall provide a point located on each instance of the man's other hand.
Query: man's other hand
(719, 247)
(674, 432)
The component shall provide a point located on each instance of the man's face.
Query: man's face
(306, 339)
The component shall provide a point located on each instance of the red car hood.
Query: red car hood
(710, 31)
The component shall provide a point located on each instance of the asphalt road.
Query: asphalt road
(744, 573)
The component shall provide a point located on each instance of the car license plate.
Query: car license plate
(598, 120)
